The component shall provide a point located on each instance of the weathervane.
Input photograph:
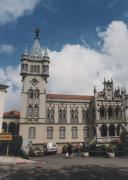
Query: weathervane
(37, 31)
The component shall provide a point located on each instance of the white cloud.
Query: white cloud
(76, 69)
(11, 10)
(10, 76)
(6, 48)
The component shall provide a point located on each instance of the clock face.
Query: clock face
(34, 81)
(109, 88)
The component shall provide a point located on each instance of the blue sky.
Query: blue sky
(61, 22)
(87, 37)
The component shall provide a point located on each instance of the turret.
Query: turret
(95, 90)
(45, 66)
(35, 62)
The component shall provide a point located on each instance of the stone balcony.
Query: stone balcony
(111, 119)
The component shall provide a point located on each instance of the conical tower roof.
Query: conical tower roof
(36, 48)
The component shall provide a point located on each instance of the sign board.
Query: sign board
(5, 137)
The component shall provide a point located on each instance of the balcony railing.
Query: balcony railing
(111, 119)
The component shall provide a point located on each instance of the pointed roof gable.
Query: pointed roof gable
(36, 48)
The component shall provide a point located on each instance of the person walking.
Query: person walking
(69, 150)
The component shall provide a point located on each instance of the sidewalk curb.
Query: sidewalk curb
(18, 163)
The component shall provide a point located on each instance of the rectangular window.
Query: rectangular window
(74, 116)
(49, 132)
(62, 133)
(62, 114)
(74, 133)
(32, 133)
(50, 116)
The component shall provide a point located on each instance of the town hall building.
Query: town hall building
(64, 118)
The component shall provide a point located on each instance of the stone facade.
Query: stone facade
(108, 112)
(11, 122)
(66, 118)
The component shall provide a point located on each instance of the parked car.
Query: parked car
(50, 148)
(36, 153)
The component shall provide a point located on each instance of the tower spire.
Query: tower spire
(37, 31)
(36, 48)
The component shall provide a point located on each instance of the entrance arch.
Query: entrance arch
(111, 130)
(12, 128)
(103, 130)
(4, 126)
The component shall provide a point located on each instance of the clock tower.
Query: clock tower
(108, 89)
(34, 72)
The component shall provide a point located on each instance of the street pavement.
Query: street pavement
(57, 167)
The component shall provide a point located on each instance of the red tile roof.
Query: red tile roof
(16, 114)
(62, 96)
(11, 114)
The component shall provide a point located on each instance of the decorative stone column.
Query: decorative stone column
(68, 114)
(107, 130)
(56, 114)
(98, 131)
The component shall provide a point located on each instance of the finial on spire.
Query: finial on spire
(37, 31)
(95, 90)
(124, 89)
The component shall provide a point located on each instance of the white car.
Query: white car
(50, 148)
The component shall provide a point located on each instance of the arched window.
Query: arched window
(102, 112)
(32, 133)
(29, 112)
(103, 130)
(30, 94)
(62, 131)
(34, 68)
(117, 111)
(45, 69)
(74, 132)
(49, 132)
(12, 128)
(94, 131)
(36, 111)
(38, 69)
(36, 93)
(4, 126)
(110, 111)
(111, 130)
(24, 67)
(62, 114)
(50, 116)
(74, 115)
(33, 94)
(31, 68)
(118, 129)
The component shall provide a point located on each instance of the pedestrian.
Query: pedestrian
(69, 150)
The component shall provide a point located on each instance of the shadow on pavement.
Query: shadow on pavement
(87, 172)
